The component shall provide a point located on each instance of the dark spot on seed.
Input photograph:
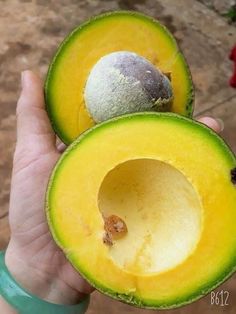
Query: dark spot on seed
(152, 81)
(233, 175)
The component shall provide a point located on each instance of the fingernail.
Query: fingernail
(221, 124)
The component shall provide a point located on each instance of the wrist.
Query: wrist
(15, 299)
(38, 280)
(5, 307)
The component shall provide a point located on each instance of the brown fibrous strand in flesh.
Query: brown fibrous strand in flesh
(115, 228)
(107, 239)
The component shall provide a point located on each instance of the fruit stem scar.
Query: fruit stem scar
(115, 228)
(233, 175)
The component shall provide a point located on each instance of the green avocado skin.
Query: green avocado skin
(60, 53)
(130, 298)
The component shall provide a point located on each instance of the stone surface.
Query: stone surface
(220, 6)
(30, 32)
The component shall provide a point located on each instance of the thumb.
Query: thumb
(34, 132)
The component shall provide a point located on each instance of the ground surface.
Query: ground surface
(30, 31)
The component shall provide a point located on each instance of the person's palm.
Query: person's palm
(32, 255)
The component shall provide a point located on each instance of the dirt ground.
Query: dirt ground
(30, 32)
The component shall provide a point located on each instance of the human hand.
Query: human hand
(32, 256)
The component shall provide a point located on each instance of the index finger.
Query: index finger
(216, 124)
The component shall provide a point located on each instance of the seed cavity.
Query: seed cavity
(233, 175)
(115, 229)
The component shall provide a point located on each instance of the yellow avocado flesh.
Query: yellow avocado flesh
(117, 31)
(168, 178)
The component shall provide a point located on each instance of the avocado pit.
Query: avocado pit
(123, 82)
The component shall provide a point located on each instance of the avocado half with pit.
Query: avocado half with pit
(144, 207)
(116, 63)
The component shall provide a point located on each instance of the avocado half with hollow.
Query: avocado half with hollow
(144, 207)
(92, 76)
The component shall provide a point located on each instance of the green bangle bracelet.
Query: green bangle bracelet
(26, 303)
